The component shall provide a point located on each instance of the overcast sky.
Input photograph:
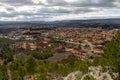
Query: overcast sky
(50, 10)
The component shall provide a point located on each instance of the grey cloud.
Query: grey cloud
(75, 11)
(57, 2)
(48, 10)
(52, 10)
(17, 2)
(83, 3)
(95, 3)
(79, 3)
(10, 9)
(24, 17)
(24, 14)
(65, 10)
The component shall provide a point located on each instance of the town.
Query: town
(79, 42)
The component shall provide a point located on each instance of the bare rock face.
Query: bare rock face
(74, 76)
(95, 72)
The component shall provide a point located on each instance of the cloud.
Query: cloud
(17, 2)
(58, 9)
(94, 3)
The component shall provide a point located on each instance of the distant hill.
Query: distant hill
(114, 20)
(104, 23)
(22, 22)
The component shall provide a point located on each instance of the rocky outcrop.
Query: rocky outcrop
(96, 73)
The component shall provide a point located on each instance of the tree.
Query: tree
(31, 65)
(112, 53)
(21, 72)
(17, 70)
(14, 66)
(15, 75)
(3, 72)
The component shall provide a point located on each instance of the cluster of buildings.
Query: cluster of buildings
(81, 42)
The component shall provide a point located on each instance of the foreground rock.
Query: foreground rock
(94, 73)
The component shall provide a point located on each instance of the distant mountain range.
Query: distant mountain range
(22, 22)
(93, 23)
(113, 21)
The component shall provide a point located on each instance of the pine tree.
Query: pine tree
(31, 65)
(112, 53)
(3, 73)
(21, 72)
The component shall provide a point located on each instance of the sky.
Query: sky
(52, 10)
